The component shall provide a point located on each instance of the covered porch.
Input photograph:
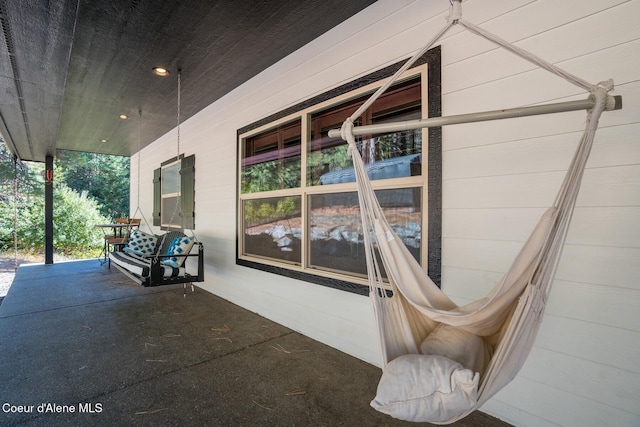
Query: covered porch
(82, 344)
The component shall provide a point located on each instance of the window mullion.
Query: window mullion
(305, 131)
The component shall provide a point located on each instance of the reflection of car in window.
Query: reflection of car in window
(397, 167)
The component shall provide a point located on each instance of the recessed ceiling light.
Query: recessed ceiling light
(160, 71)
(123, 116)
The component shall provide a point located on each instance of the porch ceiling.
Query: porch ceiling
(68, 68)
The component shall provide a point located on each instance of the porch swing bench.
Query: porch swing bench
(162, 263)
(155, 260)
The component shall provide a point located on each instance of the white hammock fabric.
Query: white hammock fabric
(507, 318)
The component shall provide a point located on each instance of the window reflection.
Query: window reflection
(170, 197)
(271, 160)
(272, 228)
(171, 179)
(336, 234)
(391, 155)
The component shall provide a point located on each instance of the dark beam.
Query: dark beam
(48, 210)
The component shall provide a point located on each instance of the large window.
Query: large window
(298, 211)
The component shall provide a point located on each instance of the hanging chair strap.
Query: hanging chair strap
(450, 23)
(525, 321)
(454, 18)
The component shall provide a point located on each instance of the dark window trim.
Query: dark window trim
(434, 197)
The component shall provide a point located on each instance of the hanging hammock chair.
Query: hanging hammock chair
(442, 361)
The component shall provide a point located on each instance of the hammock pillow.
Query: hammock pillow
(426, 388)
(178, 246)
(141, 244)
(463, 347)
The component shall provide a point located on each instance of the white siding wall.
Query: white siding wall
(497, 178)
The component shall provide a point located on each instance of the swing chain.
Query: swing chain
(178, 112)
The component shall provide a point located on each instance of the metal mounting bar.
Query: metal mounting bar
(560, 107)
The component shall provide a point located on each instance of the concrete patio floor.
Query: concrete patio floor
(84, 340)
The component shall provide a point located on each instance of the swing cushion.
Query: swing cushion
(426, 388)
(141, 244)
(178, 246)
(142, 267)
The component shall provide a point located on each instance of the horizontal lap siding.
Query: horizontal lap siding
(497, 179)
(356, 48)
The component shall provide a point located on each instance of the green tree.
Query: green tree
(76, 211)
(30, 187)
(325, 160)
(74, 219)
(104, 178)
